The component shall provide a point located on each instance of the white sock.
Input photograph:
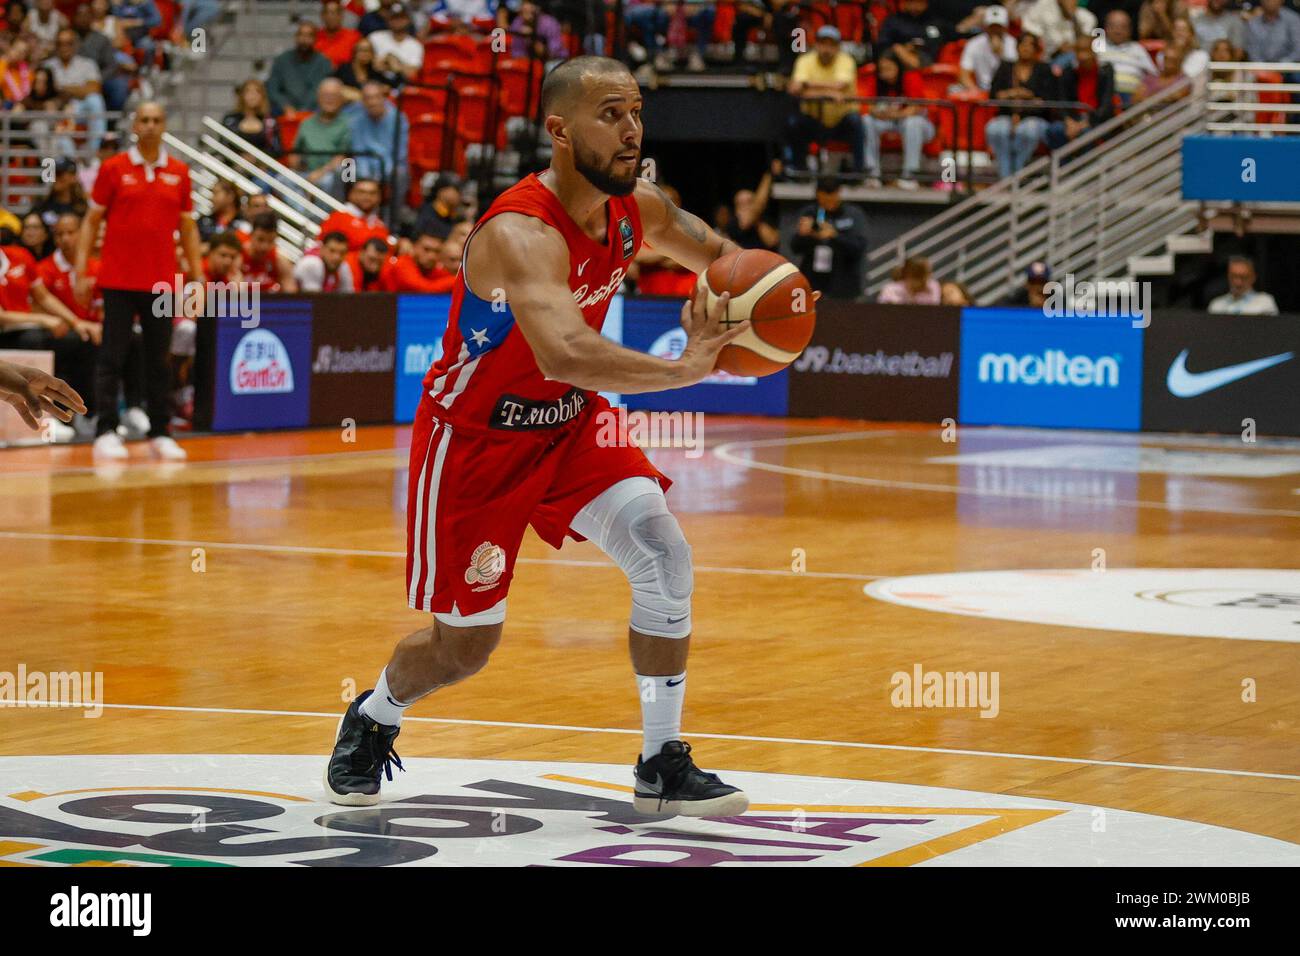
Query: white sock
(381, 706)
(661, 711)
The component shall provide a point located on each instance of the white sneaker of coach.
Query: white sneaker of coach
(135, 423)
(109, 447)
(165, 447)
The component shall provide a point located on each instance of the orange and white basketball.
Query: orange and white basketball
(769, 291)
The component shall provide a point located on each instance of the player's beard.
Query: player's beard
(603, 178)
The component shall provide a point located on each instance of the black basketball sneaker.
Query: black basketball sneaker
(363, 751)
(669, 782)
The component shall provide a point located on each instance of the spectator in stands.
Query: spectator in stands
(419, 271)
(913, 35)
(1218, 22)
(222, 263)
(396, 49)
(77, 78)
(196, 15)
(913, 284)
(366, 265)
(15, 15)
(254, 205)
(335, 41)
(1059, 24)
(1016, 132)
(442, 209)
(1241, 297)
(1156, 19)
(1087, 81)
(534, 27)
(297, 74)
(379, 128)
(35, 237)
(97, 48)
(15, 73)
(1170, 74)
(983, 54)
(1034, 292)
(65, 195)
(90, 170)
(263, 266)
(1274, 35)
(251, 118)
(376, 19)
(48, 137)
(746, 226)
(822, 78)
(324, 138)
(44, 23)
(909, 121)
(954, 293)
(31, 317)
(323, 270)
(1195, 60)
(1128, 58)
(103, 21)
(359, 220)
(225, 213)
(360, 70)
(830, 238)
(651, 18)
(135, 19)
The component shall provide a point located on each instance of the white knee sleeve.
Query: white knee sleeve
(632, 524)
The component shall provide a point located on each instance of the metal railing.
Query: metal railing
(30, 142)
(1231, 99)
(1111, 193)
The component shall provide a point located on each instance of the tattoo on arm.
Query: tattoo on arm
(691, 225)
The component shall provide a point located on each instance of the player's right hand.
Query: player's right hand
(706, 332)
(33, 393)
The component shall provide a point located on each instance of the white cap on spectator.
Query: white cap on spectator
(998, 15)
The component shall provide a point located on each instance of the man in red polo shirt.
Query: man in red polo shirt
(420, 271)
(366, 266)
(360, 221)
(334, 40)
(59, 275)
(144, 197)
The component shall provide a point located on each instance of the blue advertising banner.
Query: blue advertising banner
(1242, 168)
(263, 374)
(653, 325)
(1019, 367)
(421, 323)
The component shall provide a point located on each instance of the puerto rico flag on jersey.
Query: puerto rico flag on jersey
(487, 376)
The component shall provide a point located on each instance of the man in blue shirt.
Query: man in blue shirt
(376, 123)
(1274, 35)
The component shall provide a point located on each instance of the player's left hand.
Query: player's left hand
(33, 393)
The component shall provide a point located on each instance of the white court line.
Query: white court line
(361, 553)
(149, 464)
(725, 452)
(745, 737)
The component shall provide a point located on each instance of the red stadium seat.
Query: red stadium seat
(475, 112)
(450, 46)
(417, 101)
(723, 21)
(520, 93)
(1274, 116)
(289, 122)
(950, 53)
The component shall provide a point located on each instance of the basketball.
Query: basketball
(773, 294)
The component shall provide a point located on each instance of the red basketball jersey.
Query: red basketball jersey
(487, 376)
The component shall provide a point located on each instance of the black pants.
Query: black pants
(74, 359)
(121, 309)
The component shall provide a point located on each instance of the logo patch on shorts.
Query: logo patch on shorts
(486, 565)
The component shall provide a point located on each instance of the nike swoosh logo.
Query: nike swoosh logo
(1185, 384)
(583, 266)
(676, 620)
(674, 683)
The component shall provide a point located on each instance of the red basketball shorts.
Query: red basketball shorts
(471, 494)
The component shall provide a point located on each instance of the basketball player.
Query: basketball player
(505, 436)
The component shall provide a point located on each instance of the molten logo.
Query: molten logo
(260, 365)
(1052, 367)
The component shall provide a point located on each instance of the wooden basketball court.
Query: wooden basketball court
(233, 603)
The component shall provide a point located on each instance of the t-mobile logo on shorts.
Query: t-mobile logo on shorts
(515, 413)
